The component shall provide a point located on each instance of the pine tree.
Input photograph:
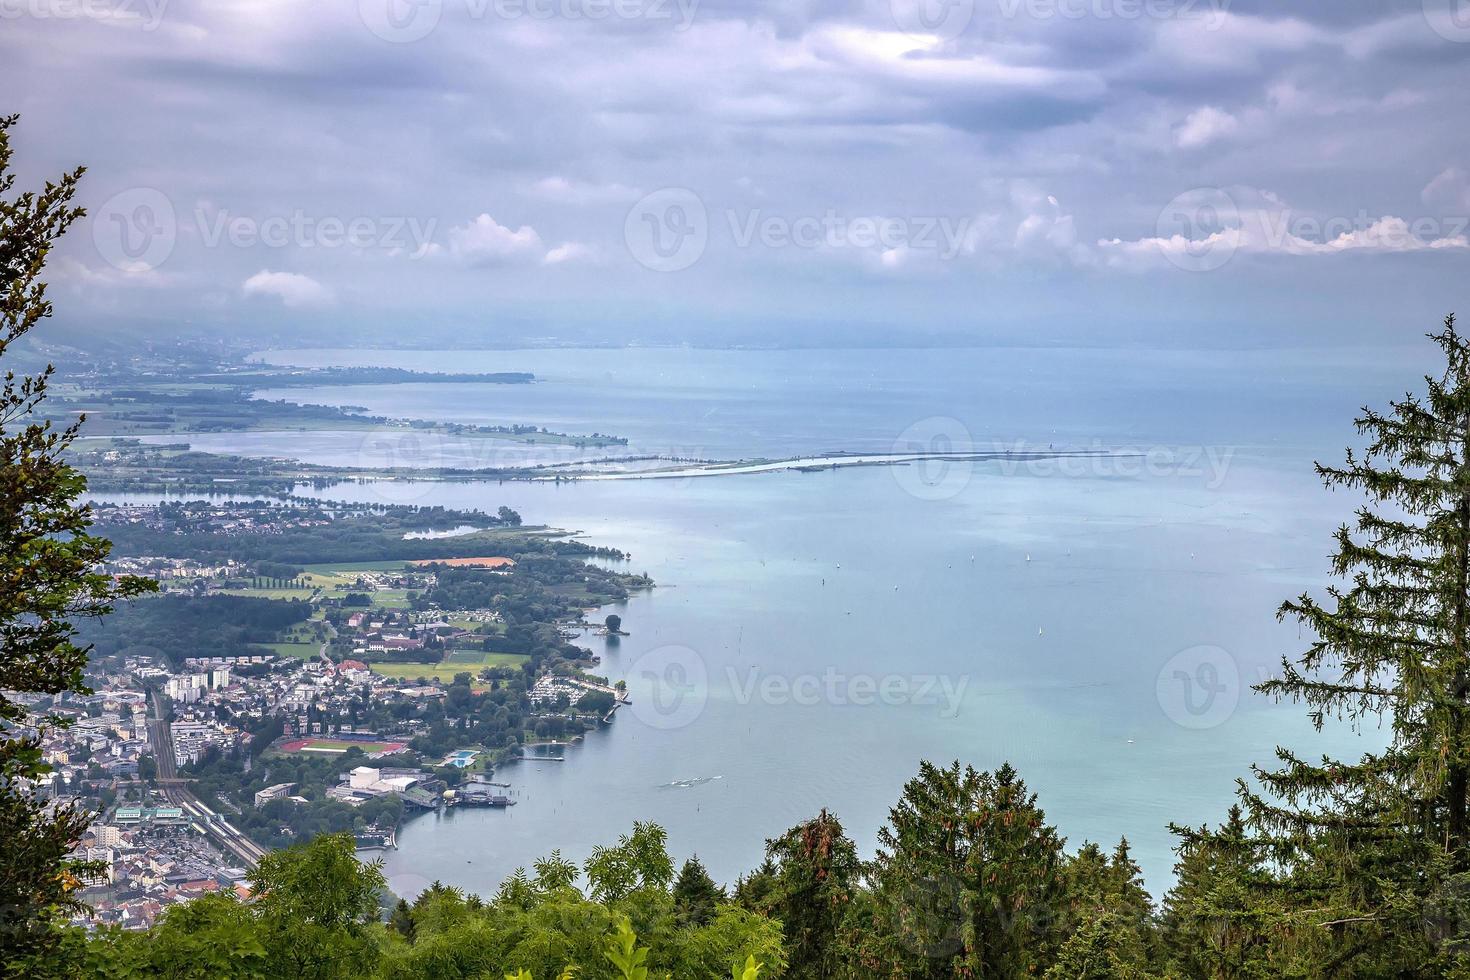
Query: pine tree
(816, 868)
(401, 920)
(49, 575)
(1372, 852)
(1100, 887)
(696, 896)
(1218, 918)
(754, 891)
(967, 878)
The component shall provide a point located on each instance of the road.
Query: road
(177, 792)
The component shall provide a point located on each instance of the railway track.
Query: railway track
(177, 792)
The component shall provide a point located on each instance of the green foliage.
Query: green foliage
(314, 905)
(813, 870)
(639, 861)
(177, 626)
(968, 878)
(624, 953)
(696, 896)
(1370, 853)
(48, 573)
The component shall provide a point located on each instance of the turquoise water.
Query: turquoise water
(815, 635)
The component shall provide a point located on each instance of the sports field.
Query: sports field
(337, 746)
(458, 662)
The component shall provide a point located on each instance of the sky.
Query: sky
(1208, 173)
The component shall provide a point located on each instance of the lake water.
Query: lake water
(815, 635)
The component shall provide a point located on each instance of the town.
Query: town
(256, 702)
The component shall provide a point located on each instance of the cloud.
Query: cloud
(126, 274)
(552, 127)
(485, 241)
(568, 252)
(1204, 126)
(1211, 230)
(1232, 42)
(292, 289)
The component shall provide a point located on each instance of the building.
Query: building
(186, 688)
(365, 779)
(132, 816)
(106, 835)
(276, 792)
(191, 738)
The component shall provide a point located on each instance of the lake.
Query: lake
(814, 635)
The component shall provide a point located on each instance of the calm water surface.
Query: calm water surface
(1095, 625)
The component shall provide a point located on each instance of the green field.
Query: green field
(270, 593)
(445, 670)
(302, 650)
(344, 568)
(334, 746)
